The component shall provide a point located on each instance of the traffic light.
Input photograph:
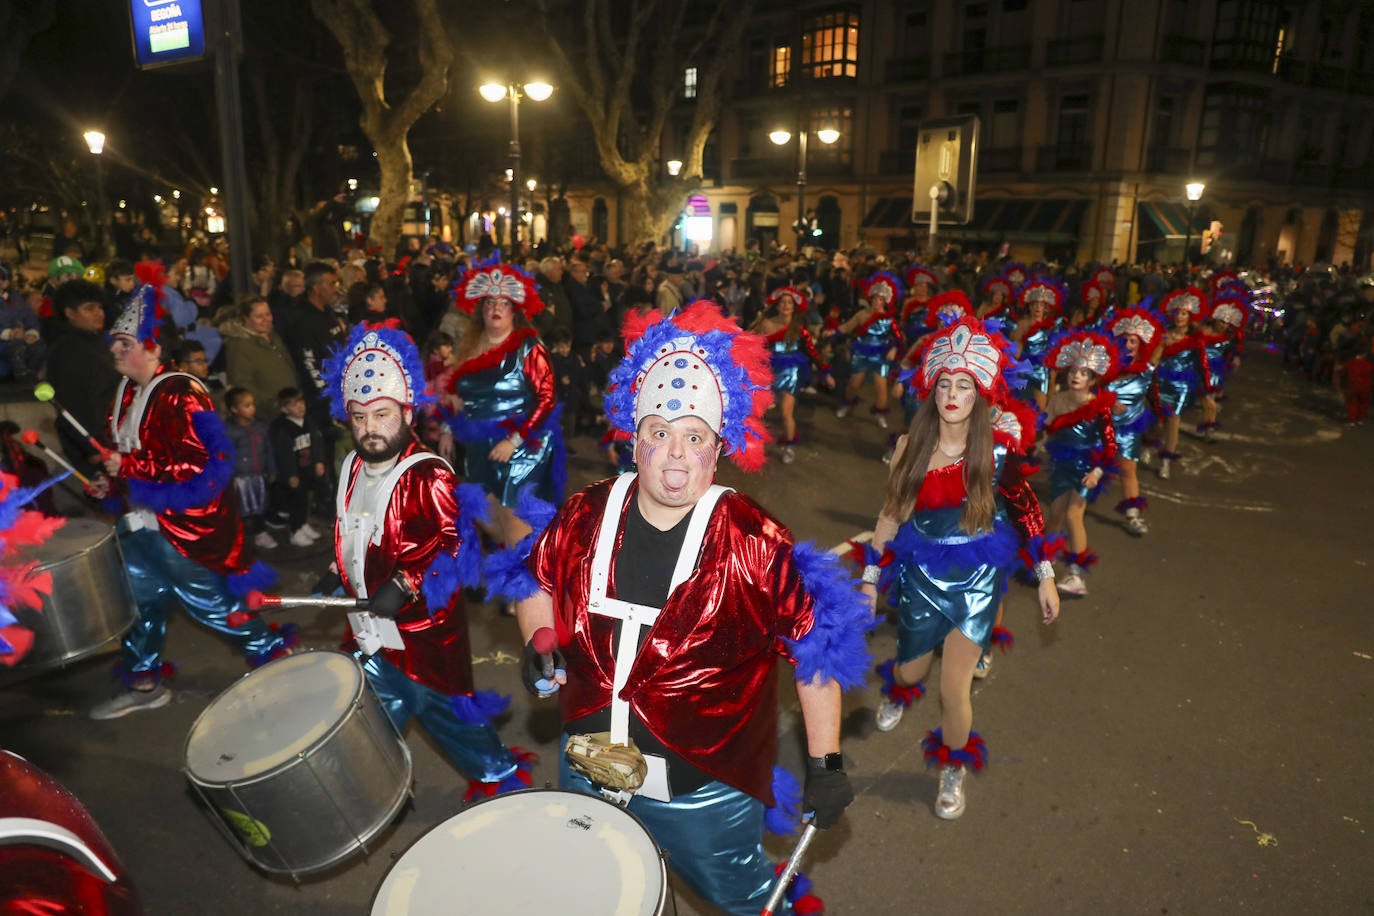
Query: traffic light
(1211, 235)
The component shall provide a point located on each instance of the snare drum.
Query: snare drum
(533, 851)
(91, 604)
(299, 763)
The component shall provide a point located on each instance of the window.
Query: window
(780, 66)
(1004, 129)
(830, 46)
(976, 11)
(1013, 6)
(1163, 134)
(908, 127)
(689, 83)
(1073, 123)
(1246, 33)
(1235, 125)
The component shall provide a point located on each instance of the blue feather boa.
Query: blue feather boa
(506, 574)
(205, 486)
(835, 648)
(785, 814)
(448, 572)
(257, 577)
(478, 707)
(997, 548)
(1137, 427)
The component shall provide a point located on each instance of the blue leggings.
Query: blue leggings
(158, 573)
(476, 750)
(713, 838)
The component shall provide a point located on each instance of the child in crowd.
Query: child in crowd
(1357, 380)
(437, 354)
(189, 357)
(22, 352)
(570, 375)
(254, 466)
(296, 447)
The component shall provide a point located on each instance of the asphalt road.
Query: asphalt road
(1193, 737)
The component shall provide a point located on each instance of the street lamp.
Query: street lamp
(827, 135)
(674, 167)
(1193, 190)
(495, 92)
(95, 142)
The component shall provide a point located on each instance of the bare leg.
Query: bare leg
(787, 404)
(914, 671)
(879, 391)
(1078, 532)
(956, 679)
(1130, 483)
(1171, 433)
(1054, 520)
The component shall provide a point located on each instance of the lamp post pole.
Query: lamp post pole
(95, 142)
(1193, 191)
(801, 226)
(513, 215)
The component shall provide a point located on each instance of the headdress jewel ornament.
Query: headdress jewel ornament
(1040, 291)
(884, 282)
(1191, 299)
(798, 297)
(1016, 272)
(1138, 322)
(967, 346)
(498, 281)
(918, 273)
(142, 316)
(695, 363)
(947, 308)
(378, 361)
(1084, 350)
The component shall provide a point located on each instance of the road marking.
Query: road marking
(1181, 500)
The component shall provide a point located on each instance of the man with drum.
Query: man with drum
(671, 599)
(182, 533)
(405, 539)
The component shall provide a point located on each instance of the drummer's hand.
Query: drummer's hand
(828, 793)
(1049, 600)
(390, 598)
(112, 462)
(536, 668)
(98, 488)
(328, 583)
(502, 451)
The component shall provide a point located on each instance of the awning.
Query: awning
(994, 219)
(1161, 220)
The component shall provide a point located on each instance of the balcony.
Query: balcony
(1069, 52)
(1168, 160)
(1291, 70)
(897, 162)
(784, 168)
(1182, 49)
(1317, 174)
(988, 60)
(1325, 76)
(1361, 179)
(1064, 158)
(1242, 57)
(907, 69)
(999, 159)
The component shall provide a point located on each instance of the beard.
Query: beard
(376, 449)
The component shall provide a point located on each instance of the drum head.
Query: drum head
(270, 715)
(76, 536)
(536, 851)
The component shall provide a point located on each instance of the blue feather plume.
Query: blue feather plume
(478, 707)
(506, 574)
(257, 577)
(205, 486)
(399, 341)
(785, 814)
(835, 648)
(997, 548)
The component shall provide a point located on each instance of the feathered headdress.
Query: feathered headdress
(1140, 322)
(917, 273)
(1192, 299)
(498, 281)
(994, 285)
(947, 308)
(142, 316)
(1085, 350)
(1221, 278)
(378, 361)
(1041, 291)
(971, 347)
(882, 283)
(798, 297)
(21, 583)
(700, 364)
(1016, 272)
(1103, 277)
(1092, 289)
(1231, 305)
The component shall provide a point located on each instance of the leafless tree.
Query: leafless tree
(19, 22)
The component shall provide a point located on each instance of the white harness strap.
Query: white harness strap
(353, 522)
(634, 616)
(133, 442)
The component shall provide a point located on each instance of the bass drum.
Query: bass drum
(91, 604)
(533, 851)
(299, 763)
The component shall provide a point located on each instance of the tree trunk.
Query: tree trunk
(394, 161)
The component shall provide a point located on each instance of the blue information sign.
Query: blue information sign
(166, 31)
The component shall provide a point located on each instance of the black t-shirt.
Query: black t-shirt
(643, 575)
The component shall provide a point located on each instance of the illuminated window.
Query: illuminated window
(780, 67)
(689, 83)
(830, 46)
(839, 118)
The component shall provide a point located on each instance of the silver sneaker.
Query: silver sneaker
(984, 666)
(888, 715)
(882, 421)
(1164, 464)
(129, 700)
(789, 454)
(949, 804)
(1073, 584)
(842, 411)
(1135, 524)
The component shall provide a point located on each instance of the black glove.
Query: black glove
(540, 667)
(327, 583)
(827, 794)
(389, 598)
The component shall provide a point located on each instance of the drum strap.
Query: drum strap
(635, 616)
(137, 407)
(365, 534)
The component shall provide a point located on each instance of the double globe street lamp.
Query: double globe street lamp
(95, 142)
(495, 92)
(780, 137)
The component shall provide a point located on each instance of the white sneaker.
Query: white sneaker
(264, 541)
(789, 454)
(882, 421)
(299, 538)
(130, 700)
(1164, 468)
(950, 804)
(984, 666)
(1136, 525)
(310, 530)
(842, 411)
(888, 715)
(1073, 584)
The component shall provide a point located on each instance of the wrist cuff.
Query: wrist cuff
(1044, 570)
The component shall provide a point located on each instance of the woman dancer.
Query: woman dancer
(792, 353)
(502, 392)
(1141, 335)
(1081, 441)
(921, 284)
(955, 516)
(1041, 304)
(877, 341)
(1182, 367)
(1221, 342)
(998, 294)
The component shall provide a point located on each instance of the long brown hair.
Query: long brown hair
(472, 326)
(908, 471)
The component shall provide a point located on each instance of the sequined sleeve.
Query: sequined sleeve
(810, 346)
(539, 372)
(1022, 505)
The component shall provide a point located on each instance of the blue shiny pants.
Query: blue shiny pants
(713, 838)
(158, 573)
(476, 750)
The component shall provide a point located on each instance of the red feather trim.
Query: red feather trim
(1186, 342)
(807, 905)
(1002, 638)
(1100, 405)
(492, 357)
(954, 297)
(20, 638)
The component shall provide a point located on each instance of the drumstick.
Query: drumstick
(258, 603)
(44, 392)
(790, 871)
(30, 437)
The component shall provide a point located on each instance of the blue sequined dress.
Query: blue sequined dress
(1132, 390)
(868, 352)
(1078, 442)
(792, 360)
(1180, 375)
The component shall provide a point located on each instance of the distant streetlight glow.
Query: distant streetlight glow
(214, 192)
(674, 167)
(531, 184)
(176, 195)
(492, 92)
(95, 141)
(827, 135)
(1194, 190)
(538, 91)
(780, 136)
(352, 184)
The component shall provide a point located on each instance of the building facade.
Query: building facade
(1093, 115)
